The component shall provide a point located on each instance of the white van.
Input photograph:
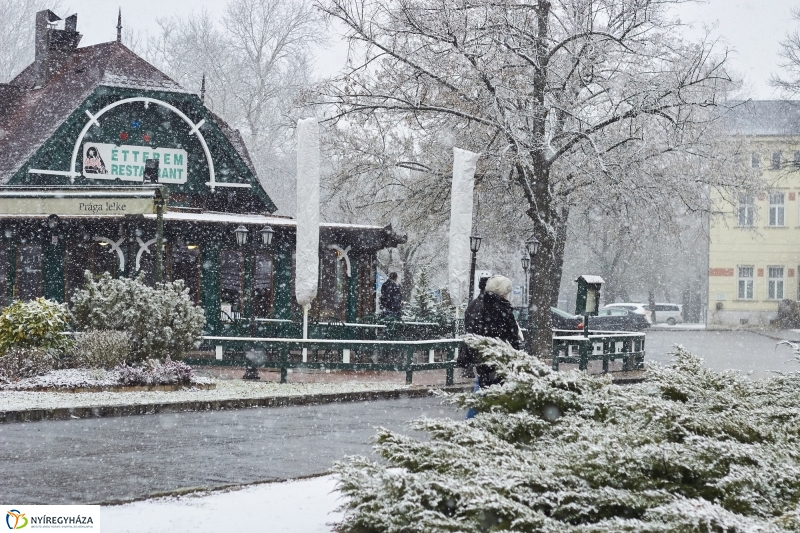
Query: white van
(669, 313)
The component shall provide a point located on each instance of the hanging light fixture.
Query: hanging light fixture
(532, 245)
(241, 235)
(526, 262)
(266, 235)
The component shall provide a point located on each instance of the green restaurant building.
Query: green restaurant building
(78, 129)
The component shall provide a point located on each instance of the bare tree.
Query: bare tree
(789, 82)
(17, 34)
(571, 102)
(256, 60)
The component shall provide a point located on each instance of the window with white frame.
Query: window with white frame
(776, 209)
(746, 209)
(776, 160)
(775, 283)
(755, 160)
(746, 282)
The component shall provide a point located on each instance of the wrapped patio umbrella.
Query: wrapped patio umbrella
(307, 264)
(464, 164)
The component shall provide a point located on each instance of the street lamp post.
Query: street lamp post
(532, 246)
(526, 262)
(474, 246)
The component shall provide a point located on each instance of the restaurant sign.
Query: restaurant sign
(68, 203)
(126, 162)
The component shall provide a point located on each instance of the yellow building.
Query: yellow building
(754, 252)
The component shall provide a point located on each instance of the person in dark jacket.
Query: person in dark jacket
(468, 357)
(496, 320)
(391, 300)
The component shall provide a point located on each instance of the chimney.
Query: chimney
(53, 46)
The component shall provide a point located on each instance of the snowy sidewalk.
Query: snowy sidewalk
(229, 394)
(300, 506)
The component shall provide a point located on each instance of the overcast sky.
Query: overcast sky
(750, 28)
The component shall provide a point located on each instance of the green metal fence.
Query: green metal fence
(369, 328)
(348, 354)
(602, 346)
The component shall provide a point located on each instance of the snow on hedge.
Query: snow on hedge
(226, 389)
(688, 450)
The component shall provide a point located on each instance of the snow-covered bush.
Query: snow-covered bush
(38, 323)
(153, 372)
(161, 321)
(99, 349)
(21, 362)
(688, 450)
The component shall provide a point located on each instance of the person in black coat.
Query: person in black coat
(469, 357)
(391, 300)
(497, 321)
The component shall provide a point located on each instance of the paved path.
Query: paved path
(740, 350)
(109, 459)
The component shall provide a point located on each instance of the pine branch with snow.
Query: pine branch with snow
(687, 450)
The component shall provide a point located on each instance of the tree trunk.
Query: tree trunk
(543, 278)
(558, 262)
(541, 212)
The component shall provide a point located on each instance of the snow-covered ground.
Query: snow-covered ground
(226, 390)
(300, 506)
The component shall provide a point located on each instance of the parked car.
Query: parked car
(617, 319)
(668, 313)
(561, 319)
(640, 309)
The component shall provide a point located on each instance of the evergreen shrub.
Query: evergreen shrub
(687, 450)
(38, 323)
(161, 321)
(100, 349)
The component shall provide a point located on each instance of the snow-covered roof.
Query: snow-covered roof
(362, 236)
(233, 218)
(588, 278)
(31, 115)
(763, 117)
(226, 218)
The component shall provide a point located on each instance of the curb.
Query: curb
(69, 413)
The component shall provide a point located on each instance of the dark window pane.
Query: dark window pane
(78, 260)
(29, 272)
(104, 259)
(231, 273)
(4, 300)
(332, 286)
(185, 263)
(262, 285)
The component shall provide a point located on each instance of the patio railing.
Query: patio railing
(605, 346)
(323, 354)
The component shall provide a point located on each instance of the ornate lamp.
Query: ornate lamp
(532, 245)
(474, 246)
(241, 235)
(474, 242)
(266, 235)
